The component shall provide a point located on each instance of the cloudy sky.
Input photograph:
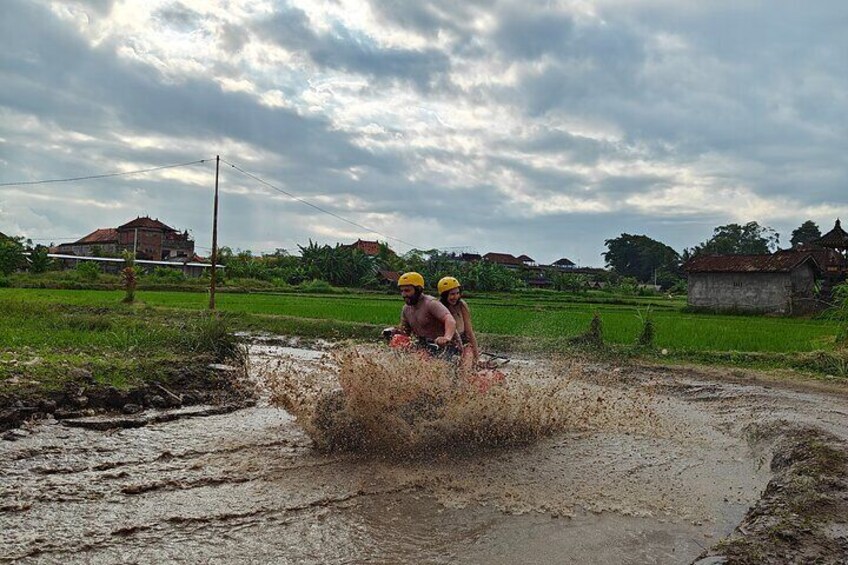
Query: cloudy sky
(524, 127)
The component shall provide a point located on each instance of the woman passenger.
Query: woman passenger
(451, 296)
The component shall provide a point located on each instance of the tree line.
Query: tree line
(632, 260)
(649, 260)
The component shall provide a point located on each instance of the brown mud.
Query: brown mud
(197, 381)
(671, 462)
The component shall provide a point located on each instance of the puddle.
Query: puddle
(248, 486)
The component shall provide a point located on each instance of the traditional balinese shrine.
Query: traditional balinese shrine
(831, 253)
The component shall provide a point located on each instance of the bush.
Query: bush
(211, 334)
(88, 270)
(646, 338)
(4, 282)
(166, 274)
(315, 286)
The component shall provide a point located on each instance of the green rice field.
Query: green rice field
(549, 316)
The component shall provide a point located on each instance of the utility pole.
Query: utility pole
(212, 280)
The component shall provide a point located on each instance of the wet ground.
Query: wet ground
(246, 486)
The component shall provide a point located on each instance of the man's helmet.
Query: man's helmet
(411, 279)
(447, 284)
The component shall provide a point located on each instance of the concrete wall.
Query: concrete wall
(775, 293)
(753, 292)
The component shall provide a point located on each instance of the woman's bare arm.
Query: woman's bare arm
(469, 329)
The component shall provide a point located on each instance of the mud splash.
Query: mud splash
(394, 404)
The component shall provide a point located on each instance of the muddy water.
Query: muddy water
(247, 487)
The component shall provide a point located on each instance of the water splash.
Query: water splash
(373, 400)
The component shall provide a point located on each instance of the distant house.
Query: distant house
(388, 278)
(563, 264)
(780, 283)
(526, 260)
(470, 257)
(504, 259)
(370, 248)
(148, 238)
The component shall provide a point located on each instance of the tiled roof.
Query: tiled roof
(103, 235)
(146, 222)
(525, 258)
(835, 238)
(564, 262)
(368, 247)
(782, 262)
(390, 276)
(502, 259)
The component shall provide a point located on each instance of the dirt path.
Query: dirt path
(246, 485)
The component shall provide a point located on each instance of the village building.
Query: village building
(779, 283)
(505, 260)
(370, 248)
(145, 237)
(526, 260)
(563, 264)
(831, 253)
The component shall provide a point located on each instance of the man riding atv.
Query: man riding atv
(425, 318)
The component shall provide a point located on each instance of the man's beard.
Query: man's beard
(413, 300)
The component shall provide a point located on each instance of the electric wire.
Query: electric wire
(105, 175)
(319, 208)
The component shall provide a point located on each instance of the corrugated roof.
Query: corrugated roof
(835, 238)
(525, 258)
(146, 222)
(783, 262)
(103, 235)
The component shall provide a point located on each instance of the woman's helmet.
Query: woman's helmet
(447, 284)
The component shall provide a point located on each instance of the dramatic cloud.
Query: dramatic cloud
(506, 126)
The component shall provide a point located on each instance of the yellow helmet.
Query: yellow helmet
(411, 279)
(447, 284)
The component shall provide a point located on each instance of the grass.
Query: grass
(674, 330)
(44, 345)
(45, 333)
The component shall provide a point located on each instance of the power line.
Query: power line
(105, 175)
(319, 208)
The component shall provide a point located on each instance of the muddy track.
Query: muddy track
(744, 469)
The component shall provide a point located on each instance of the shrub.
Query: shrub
(168, 274)
(88, 270)
(646, 338)
(316, 286)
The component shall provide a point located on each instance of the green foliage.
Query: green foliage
(736, 239)
(594, 335)
(88, 270)
(11, 254)
(211, 334)
(315, 286)
(339, 265)
(568, 282)
(128, 277)
(643, 258)
(839, 313)
(39, 261)
(168, 274)
(646, 337)
(805, 233)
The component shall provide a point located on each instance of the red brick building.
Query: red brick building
(147, 237)
(370, 248)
